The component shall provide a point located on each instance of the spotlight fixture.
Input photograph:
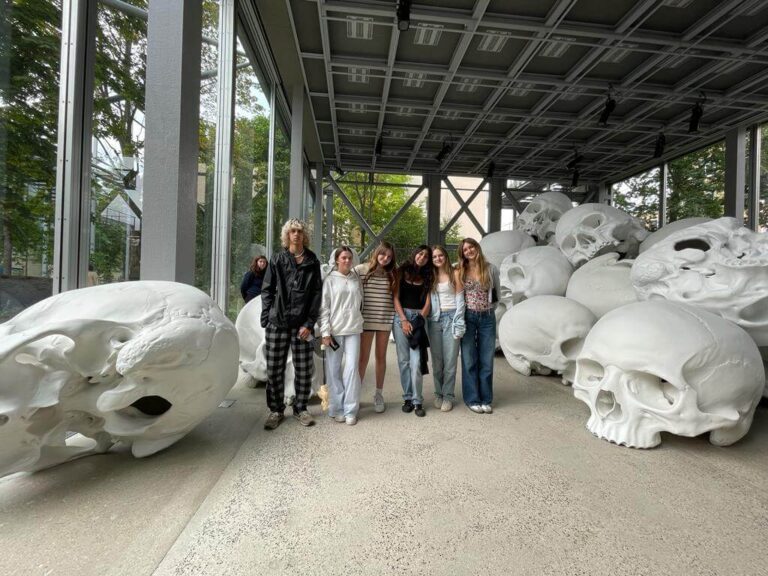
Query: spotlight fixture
(696, 113)
(379, 146)
(444, 151)
(658, 150)
(403, 15)
(575, 178)
(491, 170)
(575, 160)
(610, 105)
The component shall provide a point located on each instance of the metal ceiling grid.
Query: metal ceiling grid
(522, 83)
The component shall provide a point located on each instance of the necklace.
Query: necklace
(299, 255)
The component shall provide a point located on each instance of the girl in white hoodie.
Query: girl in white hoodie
(341, 323)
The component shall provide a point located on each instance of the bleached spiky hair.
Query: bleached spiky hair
(294, 224)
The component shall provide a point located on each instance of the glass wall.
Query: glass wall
(30, 47)
(282, 181)
(250, 174)
(639, 196)
(696, 184)
(209, 85)
(117, 147)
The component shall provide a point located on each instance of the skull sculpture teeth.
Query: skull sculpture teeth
(653, 367)
(720, 266)
(590, 230)
(540, 217)
(138, 362)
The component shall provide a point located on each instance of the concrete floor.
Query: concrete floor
(527, 490)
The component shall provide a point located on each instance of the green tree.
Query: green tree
(639, 196)
(697, 184)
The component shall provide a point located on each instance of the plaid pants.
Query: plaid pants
(278, 341)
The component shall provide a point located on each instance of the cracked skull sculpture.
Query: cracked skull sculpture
(253, 360)
(720, 266)
(138, 362)
(602, 284)
(653, 367)
(545, 334)
(540, 217)
(534, 271)
(590, 230)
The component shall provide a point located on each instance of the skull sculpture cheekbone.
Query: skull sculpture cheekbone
(720, 266)
(545, 333)
(602, 284)
(534, 271)
(590, 230)
(653, 367)
(137, 362)
(540, 217)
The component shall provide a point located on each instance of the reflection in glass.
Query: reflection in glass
(117, 149)
(696, 185)
(639, 196)
(30, 47)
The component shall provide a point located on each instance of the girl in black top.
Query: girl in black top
(250, 287)
(414, 282)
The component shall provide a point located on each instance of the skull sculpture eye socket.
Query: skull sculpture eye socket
(652, 391)
(590, 372)
(592, 221)
(692, 244)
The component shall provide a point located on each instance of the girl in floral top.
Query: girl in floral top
(481, 294)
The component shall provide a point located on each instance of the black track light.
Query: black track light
(574, 161)
(403, 15)
(661, 141)
(491, 170)
(575, 178)
(696, 113)
(379, 147)
(444, 151)
(610, 105)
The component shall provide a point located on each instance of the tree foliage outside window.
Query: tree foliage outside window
(697, 184)
(639, 196)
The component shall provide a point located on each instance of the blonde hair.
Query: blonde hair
(482, 264)
(294, 224)
(389, 270)
(447, 267)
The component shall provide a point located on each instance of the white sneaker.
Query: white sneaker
(338, 418)
(351, 420)
(487, 409)
(378, 402)
(438, 402)
(477, 409)
(446, 406)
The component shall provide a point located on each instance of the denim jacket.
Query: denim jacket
(458, 327)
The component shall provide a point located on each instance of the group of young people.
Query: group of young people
(425, 302)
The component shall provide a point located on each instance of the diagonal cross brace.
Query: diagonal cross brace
(464, 206)
(392, 222)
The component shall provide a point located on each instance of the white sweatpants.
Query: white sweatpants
(343, 376)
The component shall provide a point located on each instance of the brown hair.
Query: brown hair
(408, 270)
(390, 269)
(482, 264)
(254, 265)
(447, 267)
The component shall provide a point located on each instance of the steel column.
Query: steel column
(174, 33)
(434, 186)
(755, 150)
(295, 202)
(664, 176)
(735, 155)
(317, 228)
(496, 189)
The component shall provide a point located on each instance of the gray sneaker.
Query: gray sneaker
(446, 406)
(439, 402)
(305, 418)
(273, 420)
(378, 402)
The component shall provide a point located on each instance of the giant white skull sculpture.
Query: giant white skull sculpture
(253, 359)
(653, 367)
(720, 266)
(540, 217)
(602, 284)
(669, 229)
(590, 230)
(532, 272)
(137, 362)
(498, 245)
(545, 333)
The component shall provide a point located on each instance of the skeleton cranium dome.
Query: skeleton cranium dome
(544, 331)
(540, 217)
(590, 230)
(720, 266)
(671, 228)
(498, 245)
(532, 272)
(602, 284)
(653, 367)
(137, 362)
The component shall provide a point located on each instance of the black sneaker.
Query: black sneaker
(407, 406)
(420, 412)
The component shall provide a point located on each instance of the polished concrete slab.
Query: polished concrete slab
(526, 490)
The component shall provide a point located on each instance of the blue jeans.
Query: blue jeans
(477, 349)
(408, 361)
(445, 355)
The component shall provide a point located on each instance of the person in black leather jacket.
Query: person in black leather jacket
(290, 295)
